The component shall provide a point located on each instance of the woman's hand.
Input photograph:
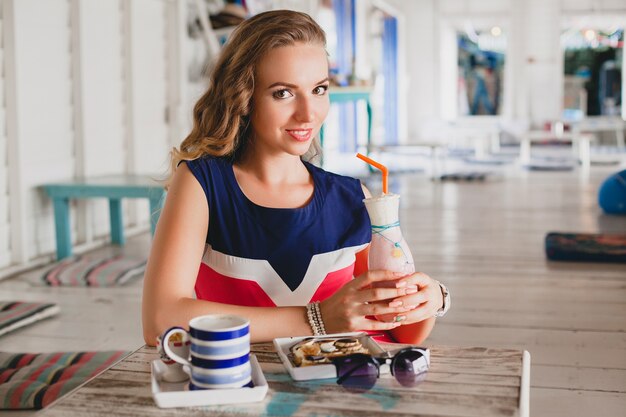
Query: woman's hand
(422, 304)
(346, 310)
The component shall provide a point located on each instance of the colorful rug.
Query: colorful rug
(586, 247)
(92, 271)
(32, 381)
(16, 314)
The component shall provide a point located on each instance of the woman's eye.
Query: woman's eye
(282, 94)
(320, 90)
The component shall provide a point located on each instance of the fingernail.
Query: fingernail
(398, 319)
(411, 290)
(400, 284)
(399, 274)
(396, 303)
(407, 308)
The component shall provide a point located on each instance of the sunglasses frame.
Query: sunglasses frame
(387, 358)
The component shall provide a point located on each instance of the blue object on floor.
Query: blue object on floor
(612, 194)
(113, 187)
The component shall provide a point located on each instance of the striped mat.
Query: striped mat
(32, 381)
(15, 314)
(92, 271)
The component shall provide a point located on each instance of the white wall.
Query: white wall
(99, 92)
(5, 228)
(85, 93)
(43, 111)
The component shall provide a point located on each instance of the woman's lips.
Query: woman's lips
(301, 135)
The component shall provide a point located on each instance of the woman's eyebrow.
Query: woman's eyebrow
(283, 84)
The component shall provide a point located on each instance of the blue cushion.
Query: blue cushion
(586, 247)
(612, 194)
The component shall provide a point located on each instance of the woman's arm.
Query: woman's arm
(172, 270)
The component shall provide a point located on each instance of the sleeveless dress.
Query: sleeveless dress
(260, 256)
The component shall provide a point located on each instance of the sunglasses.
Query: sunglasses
(359, 372)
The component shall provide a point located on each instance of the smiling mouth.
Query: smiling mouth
(301, 135)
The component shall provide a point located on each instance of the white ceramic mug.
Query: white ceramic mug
(219, 353)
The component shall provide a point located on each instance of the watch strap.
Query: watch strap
(446, 301)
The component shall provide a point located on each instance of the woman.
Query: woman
(254, 229)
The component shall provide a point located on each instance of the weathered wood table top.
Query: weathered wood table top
(461, 382)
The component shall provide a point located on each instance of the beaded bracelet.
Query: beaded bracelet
(314, 315)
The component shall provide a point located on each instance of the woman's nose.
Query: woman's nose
(304, 110)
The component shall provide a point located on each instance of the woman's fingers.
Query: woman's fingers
(375, 309)
(377, 276)
(410, 302)
(378, 325)
(369, 295)
(419, 278)
(420, 313)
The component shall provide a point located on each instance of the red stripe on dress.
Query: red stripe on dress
(333, 282)
(213, 286)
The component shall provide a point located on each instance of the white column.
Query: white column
(14, 144)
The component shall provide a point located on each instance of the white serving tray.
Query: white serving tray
(177, 394)
(324, 370)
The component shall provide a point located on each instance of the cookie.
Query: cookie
(348, 342)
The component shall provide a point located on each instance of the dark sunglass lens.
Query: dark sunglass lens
(409, 367)
(356, 373)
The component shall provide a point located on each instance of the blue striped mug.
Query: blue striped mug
(219, 353)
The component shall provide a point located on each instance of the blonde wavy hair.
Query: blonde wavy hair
(221, 117)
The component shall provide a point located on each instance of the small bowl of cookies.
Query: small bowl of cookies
(311, 357)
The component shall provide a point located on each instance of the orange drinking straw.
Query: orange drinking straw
(378, 165)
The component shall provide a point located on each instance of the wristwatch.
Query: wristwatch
(446, 301)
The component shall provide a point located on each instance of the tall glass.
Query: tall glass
(388, 250)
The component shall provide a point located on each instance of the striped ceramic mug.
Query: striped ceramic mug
(219, 353)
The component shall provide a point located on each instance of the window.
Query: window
(481, 60)
(592, 66)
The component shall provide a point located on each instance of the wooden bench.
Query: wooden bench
(114, 187)
(581, 144)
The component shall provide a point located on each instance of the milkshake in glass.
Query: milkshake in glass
(388, 250)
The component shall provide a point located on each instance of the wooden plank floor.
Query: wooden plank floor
(485, 241)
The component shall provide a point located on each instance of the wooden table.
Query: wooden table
(461, 382)
(113, 187)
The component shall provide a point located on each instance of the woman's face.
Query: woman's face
(290, 99)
